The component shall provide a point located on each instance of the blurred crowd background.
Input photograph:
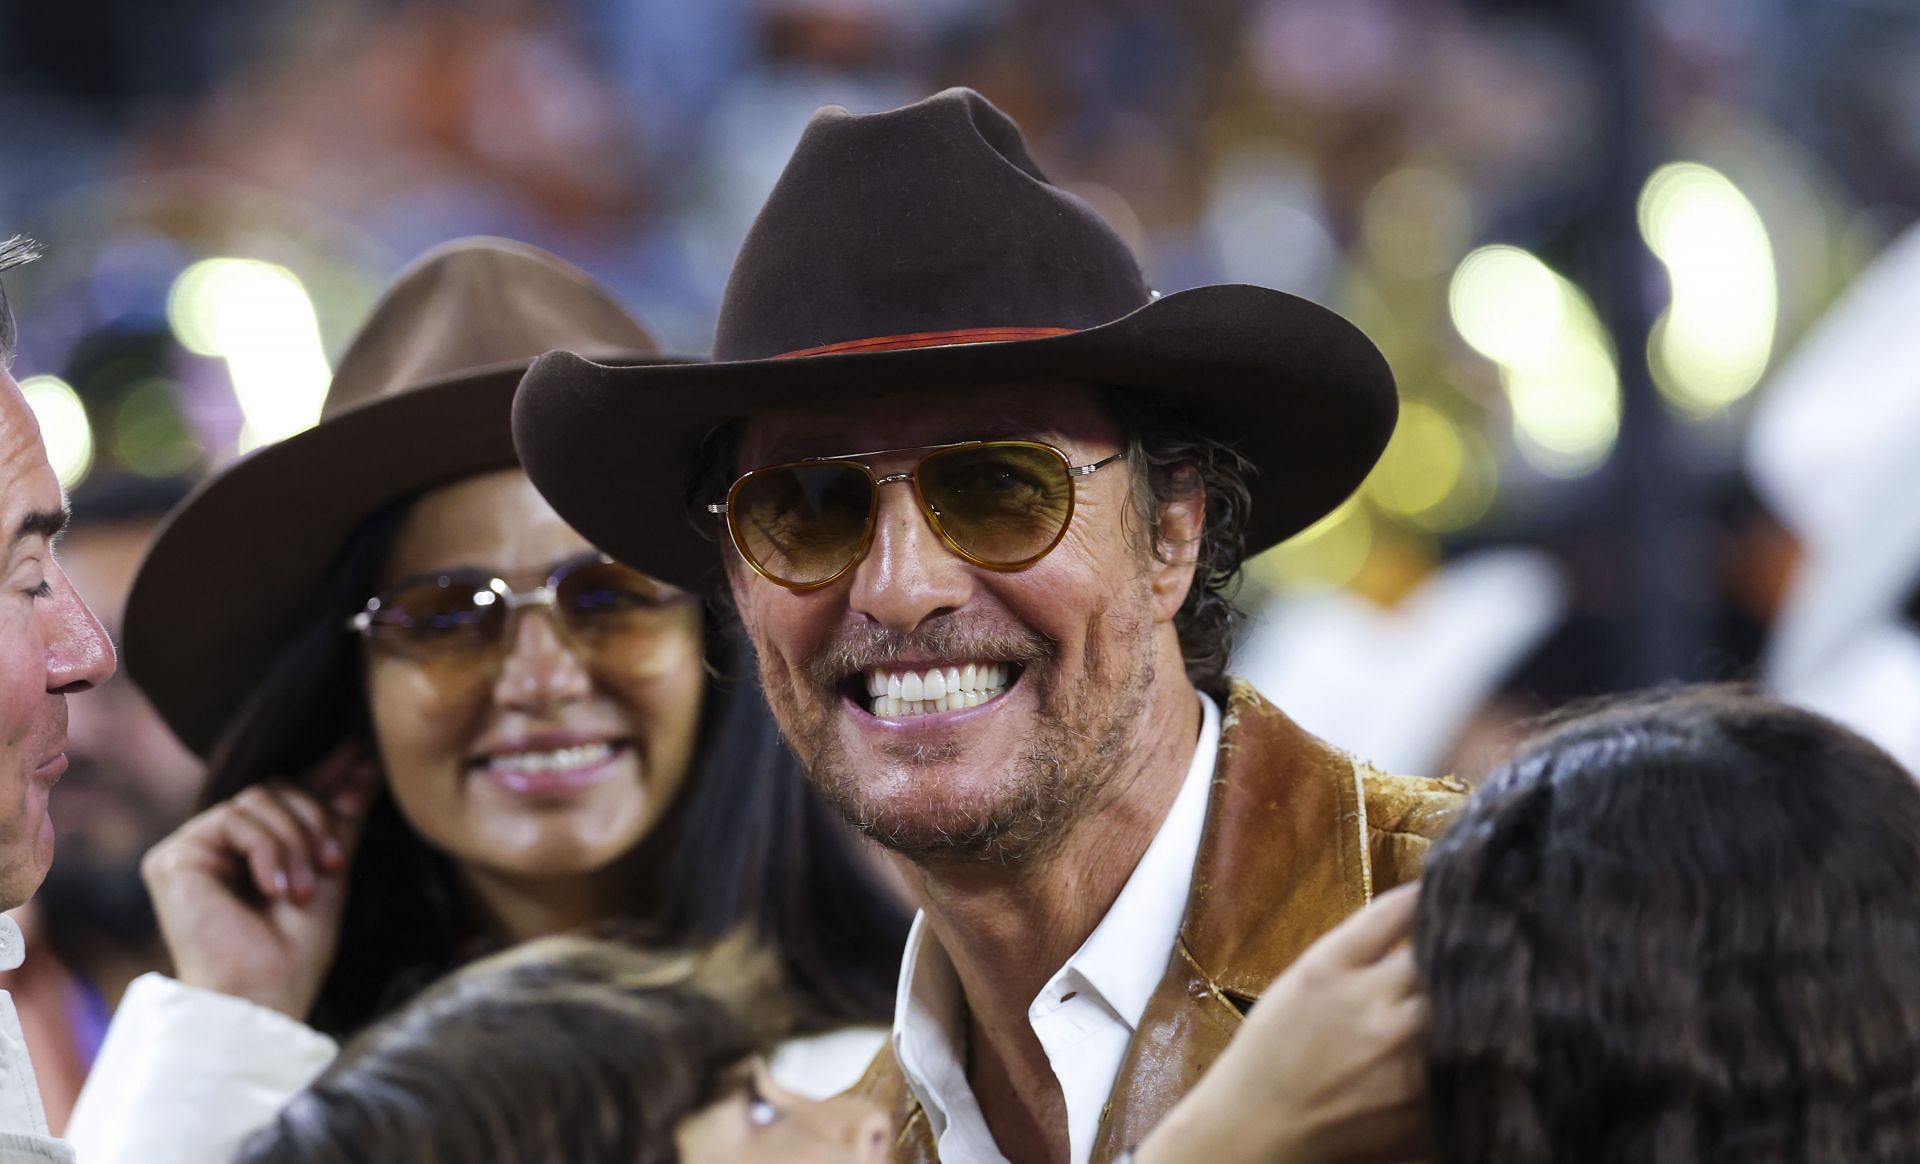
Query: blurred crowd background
(1640, 269)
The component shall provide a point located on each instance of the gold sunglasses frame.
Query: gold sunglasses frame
(725, 508)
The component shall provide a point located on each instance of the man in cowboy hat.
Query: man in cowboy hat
(50, 646)
(983, 495)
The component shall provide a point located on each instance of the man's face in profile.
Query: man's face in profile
(129, 782)
(50, 643)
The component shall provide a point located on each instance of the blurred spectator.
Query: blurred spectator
(1833, 446)
(1418, 685)
(130, 783)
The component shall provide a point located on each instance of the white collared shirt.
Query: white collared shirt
(23, 1123)
(1087, 1013)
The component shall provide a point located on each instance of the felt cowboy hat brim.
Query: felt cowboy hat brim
(920, 250)
(1296, 389)
(421, 399)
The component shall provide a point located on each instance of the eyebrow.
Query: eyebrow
(45, 523)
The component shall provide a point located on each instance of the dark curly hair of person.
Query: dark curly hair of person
(564, 1049)
(1679, 930)
(1171, 458)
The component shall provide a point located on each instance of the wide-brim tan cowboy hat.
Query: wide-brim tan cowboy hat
(921, 251)
(422, 398)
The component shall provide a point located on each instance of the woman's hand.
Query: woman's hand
(1328, 1068)
(249, 893)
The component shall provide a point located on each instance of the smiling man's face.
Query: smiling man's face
(1063, 655)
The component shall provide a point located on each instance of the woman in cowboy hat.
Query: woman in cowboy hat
(408, 769)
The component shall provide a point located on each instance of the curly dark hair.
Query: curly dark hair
(1679, 930)
(1171, 457)
(561, 1049)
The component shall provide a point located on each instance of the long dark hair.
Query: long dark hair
(746, 842)
(1682, 930)
(564, 1049)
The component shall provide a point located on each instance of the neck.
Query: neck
(1008, 929)
(519, 908)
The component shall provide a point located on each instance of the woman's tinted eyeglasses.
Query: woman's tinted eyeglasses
(1003, 505)
(469, 612)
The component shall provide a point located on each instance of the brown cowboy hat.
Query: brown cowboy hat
(421, 399)
(922, 250)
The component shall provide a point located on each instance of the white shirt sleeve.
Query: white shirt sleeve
(184, 1075)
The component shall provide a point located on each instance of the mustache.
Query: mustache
(857, 649)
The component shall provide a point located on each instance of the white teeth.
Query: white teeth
(949, 688)
(554, 760)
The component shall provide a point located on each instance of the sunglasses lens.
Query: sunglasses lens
(1003, 504)
(802, 524)
(607, 598)
(444, 615)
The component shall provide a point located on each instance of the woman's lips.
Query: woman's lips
(552, 771)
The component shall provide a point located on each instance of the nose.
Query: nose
(909, 575)
(79, 653)
(541, 671)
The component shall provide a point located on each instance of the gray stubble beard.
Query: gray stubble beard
(1063, 771)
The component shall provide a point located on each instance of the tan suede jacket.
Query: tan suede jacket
(1298, 836)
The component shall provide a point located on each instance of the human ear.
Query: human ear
(1181, 524)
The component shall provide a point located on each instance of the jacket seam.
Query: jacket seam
(1415, 833)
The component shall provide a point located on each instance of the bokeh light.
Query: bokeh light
(1417, 221)
(64, 427)
(149, 436)
(1423, 463)
(259, 318)
(1507, 304)
(1555, 358)
(1437, 473)
(1712, 344)
(1331, 552)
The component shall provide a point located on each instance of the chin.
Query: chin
(922, 815)
(562, 853)
(20, 880)
(556, 864)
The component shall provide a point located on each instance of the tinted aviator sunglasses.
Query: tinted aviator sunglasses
(1003, 505)
(469, 612)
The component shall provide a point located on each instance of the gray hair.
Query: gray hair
(14, 252)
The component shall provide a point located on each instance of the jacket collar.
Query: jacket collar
(1285, 848)
(1285, 856)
